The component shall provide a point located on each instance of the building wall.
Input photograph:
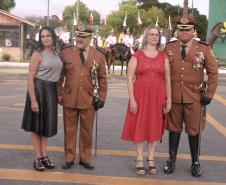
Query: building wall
(8, 20)
(14, 52)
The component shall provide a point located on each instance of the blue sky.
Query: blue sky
(39, 7)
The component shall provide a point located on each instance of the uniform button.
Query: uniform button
(182, 75)
(182, 68)
(182, 83)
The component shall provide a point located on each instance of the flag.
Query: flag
(61, 16)
(74, 20)
(170, 25)
(124, 22)
(105, 22)
(139, 22)
(91, 19)
(157, 22)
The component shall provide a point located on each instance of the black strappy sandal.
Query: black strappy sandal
(38, 165)
(151, 168)
(47, 163)
(139, 170)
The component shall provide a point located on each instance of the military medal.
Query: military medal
(198, 60)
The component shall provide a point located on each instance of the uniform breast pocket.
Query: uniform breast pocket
(69, 67)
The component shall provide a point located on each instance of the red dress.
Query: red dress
(150, 94)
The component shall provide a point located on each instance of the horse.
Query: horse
(30, 45)
(110, 59)
(122, 53)
(28, 48)
(117, 51)
(215, 33)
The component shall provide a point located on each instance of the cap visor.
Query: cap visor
(185, 27)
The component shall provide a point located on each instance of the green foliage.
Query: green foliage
(6, 57)
(201, 25)
(55, 24)
(7, 4)
(177, 11)
(84, 14)
(116, 18)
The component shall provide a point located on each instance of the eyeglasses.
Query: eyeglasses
(153, 34)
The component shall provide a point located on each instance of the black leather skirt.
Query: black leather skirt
(43, 123)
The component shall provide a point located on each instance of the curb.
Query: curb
(19, 64)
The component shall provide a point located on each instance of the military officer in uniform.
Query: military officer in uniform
(75, 89)
(188, 58)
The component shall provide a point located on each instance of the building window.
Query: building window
(9, 37)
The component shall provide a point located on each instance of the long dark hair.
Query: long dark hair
(53, 35)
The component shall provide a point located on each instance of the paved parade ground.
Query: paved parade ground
(114, 163)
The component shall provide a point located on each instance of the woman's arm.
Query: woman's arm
(168, 86)
(33, 67)
(131, 77)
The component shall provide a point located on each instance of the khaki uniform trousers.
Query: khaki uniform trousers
(71, 119)
(187, 113)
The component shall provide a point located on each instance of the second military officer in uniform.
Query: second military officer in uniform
(75, 93)
(188, 58)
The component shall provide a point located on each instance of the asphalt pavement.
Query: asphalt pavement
(114, 162)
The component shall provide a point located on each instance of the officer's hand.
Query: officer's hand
(98, 104)
(60, 99)
(205, 100)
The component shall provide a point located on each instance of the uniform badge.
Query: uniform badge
(81, 27)
(198, 60)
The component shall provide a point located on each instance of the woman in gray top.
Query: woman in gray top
(40, 113)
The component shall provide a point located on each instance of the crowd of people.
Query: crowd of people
(165, 86)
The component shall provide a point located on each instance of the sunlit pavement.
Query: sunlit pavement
(114, 163)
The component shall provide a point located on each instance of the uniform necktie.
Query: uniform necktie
(183, 51)
(81, 51)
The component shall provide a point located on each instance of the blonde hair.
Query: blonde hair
(145, 37)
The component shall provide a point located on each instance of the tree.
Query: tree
(115, 19)
(84, 13)
(177, 11)
(7, 4)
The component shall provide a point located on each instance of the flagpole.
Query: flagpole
(47, 22)
(77, 11)
(77, 19)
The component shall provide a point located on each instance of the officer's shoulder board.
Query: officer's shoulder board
(204, 43)
(171, 41)
(66, 45)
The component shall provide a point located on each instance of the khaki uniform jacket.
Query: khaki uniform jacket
(185, 80)
(75, 84)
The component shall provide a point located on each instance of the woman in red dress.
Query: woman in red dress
(149, 98)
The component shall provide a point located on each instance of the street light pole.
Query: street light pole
(48, 14)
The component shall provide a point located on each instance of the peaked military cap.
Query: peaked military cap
(185, 23)
(83, 30)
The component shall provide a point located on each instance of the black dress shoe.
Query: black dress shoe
(196, 170)
(86, 165)
(67, 165)
(170, 166)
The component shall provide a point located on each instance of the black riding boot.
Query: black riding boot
(194, 146)
(174, 139)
